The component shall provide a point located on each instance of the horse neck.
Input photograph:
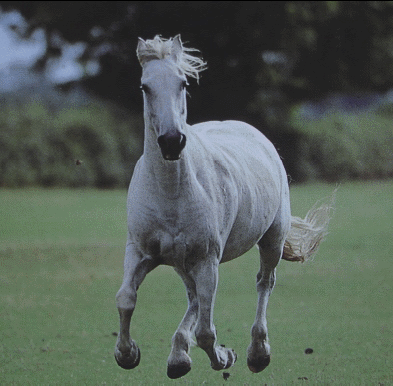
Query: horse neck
(170, 176)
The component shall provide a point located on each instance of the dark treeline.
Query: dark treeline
(301, 49)
(263, 57)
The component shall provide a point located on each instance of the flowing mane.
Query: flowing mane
(160, 48)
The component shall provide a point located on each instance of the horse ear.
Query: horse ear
(140, 51)
(177, 48)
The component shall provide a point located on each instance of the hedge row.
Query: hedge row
(97, 146)
(343, 146)
(92, 145)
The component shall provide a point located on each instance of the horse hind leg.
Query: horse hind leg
(179, 362)
(270, 249)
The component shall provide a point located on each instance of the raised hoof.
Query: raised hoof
(178, 371)
(232, 360)
(259, 365)
(127, 364)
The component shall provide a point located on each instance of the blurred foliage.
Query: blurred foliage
(91, 145)
(257, 52)
(264, 59)
(342, 146)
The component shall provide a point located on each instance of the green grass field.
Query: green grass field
(61, 255)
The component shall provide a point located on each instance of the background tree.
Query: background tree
(314, 47)
(263, 58)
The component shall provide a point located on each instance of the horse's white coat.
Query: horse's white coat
(220, 197)
(227, 192)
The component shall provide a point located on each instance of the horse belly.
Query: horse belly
(251, 178)
(242, 238)
(256, 213)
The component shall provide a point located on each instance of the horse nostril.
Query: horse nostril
(161, 141)
(171, 145)
(182, 141)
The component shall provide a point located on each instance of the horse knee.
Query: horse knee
(266, 280)
(126, 299)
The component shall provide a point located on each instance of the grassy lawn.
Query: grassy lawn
(61, 255)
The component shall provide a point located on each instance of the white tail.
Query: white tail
(306, 235)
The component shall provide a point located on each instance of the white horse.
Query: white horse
(202, 195)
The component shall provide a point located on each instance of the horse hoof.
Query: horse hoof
(232, 357)
(177, 371)
(230, 361)
(126, 363)
(257, 366)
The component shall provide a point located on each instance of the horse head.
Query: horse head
(165, 66)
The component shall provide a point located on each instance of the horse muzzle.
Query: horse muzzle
(171, 145)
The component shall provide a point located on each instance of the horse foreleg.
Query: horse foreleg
(179, 362)
(127, 353)
(206, 279)
(258, 353)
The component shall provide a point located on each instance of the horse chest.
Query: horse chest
(173, 236)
